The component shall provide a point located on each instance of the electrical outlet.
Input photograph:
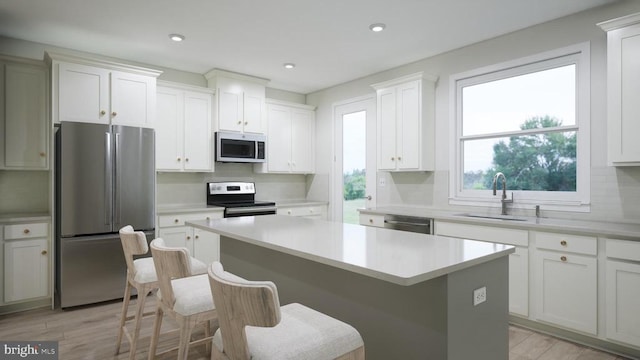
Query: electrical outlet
(479, 295)
(382, 181)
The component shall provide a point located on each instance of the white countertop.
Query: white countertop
(628, 231)
(399, 257)
(203, 207)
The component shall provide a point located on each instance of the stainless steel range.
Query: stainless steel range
(238, 199)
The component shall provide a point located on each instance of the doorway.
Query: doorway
(355, 158)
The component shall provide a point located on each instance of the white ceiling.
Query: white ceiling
(328, 40)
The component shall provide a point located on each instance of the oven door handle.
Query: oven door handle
(396, 222)
(250, 209)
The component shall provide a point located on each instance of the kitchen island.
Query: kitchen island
(410, 295)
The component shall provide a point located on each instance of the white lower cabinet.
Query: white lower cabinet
(372, 220)
(566, 273)
(26, 261)
(518, 261)
(203, 245)
(622, 293)
(308, 211)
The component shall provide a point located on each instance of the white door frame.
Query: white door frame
(368, 104)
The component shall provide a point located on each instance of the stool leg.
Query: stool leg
(123, 316)
(186, 326)
(142, 297)
(157, 324)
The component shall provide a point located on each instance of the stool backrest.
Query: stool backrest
(133, 243)
(171, 263)
(240, 303)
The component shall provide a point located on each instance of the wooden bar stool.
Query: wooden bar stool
(141, 275)
(254, 326)
(187, 299)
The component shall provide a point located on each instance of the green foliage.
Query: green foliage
(537, 162)
(354, 184)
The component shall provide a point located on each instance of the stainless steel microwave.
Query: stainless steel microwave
(237, 147)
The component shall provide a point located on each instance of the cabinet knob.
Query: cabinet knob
(186, 159)
(563, 258)
(176, 221)
(197, 236)
(239, 122)
(179, 158)
(246, 123)
(563, 243)
(289, 212)
(208, 218)
(26, 231)
(393, 159)
(399, 158)
(114, 113)
(43, 154)
(188, 237)
(371, 221)
(102, 112)
(43, 252)
(310, 210)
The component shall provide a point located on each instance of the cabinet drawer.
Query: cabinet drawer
(566, 243)
(26, 231)
(623, 249)
(485, 233)
(301, 211)
(372, 220)
(170, 220)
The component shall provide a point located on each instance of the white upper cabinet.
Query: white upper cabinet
(290, 138)
(95, 91)
(240, 104)
(183, 128)
(623, 87)
(406, 123)
(24, 139)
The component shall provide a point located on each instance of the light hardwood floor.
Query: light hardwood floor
(90, 333)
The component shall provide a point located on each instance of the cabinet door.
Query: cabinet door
(230, 106)
(26, 269)
(279, 141)
(253, 113)
(25, 127)
(386, 129)
(179, 236)
(197, 131)
(169, 129)
(132, 99)
(519, 282)
(566, 286)
(302, 133)
(622, 294)
(623, 51)
(408, 126)
(206, 246)
(83, 93)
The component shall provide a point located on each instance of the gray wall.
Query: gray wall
(614, 191)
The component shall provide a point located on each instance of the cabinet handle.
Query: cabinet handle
(563, 243)
(43, 252)
(26, 231)
(102, 112)
(114, 113)
(42, 154)
(179, 158)
(188, 237)
(176, 221)
(563, 258)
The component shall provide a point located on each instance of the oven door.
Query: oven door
(249, 211)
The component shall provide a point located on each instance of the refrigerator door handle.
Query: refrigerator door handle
(108, 195)
(116, 186)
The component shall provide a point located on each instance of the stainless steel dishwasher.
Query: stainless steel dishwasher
(416, 224)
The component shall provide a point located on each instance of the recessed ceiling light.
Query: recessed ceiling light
(377, 27)
(289, 65)
(176, 37)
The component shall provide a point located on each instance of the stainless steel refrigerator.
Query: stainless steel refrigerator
(105, 179)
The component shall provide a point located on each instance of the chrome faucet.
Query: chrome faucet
(504, 200)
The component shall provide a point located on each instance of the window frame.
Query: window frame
(578, 201)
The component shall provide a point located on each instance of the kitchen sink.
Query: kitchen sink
(494, 217)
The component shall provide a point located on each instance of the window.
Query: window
(528, 119)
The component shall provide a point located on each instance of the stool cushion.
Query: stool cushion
(302, 334)
(146, 271)
(193, 295)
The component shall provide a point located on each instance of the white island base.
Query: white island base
(430, 319)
